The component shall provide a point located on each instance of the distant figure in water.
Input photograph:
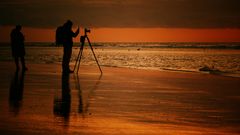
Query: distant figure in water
(17, 45)
(67, 41)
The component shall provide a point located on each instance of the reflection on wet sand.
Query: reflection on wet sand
(80, 97)
(83, 106)
(64, 103)
(16, 92)
(127, 101)
(62, 106)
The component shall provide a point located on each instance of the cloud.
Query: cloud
(123, 13)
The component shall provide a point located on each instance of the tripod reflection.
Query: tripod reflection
(63, 105)
(83, 105)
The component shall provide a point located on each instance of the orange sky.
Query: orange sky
(134, 35)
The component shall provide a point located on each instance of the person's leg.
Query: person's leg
(16, 62)
(66, 59)
(67, 53)
(69, 57)
(23, 63)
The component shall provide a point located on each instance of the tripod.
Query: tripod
(79, 57)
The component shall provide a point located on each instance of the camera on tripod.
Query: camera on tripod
(87, 31)
(82, 40)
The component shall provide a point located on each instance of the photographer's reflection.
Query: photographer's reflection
(62, 106)
(16, 91)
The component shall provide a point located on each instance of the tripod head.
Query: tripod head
(86, 31)
(82, 38)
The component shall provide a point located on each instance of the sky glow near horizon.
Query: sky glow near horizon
(177, 16)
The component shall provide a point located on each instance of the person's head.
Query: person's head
(18, 27)
(68, 24)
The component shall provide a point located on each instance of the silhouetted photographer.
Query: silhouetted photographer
(67, 35)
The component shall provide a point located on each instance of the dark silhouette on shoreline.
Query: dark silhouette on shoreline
(16, 91)
(17, 46)
(67, 35)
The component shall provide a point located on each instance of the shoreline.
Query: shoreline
(217, 73)
(184, 45)
(221, 62)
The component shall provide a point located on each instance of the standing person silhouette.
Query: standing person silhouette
(68, 34)
(17, 45)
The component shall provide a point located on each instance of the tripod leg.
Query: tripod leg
(94, 55)
(79, 61)
(79, 55)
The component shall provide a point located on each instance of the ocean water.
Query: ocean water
(211, 57)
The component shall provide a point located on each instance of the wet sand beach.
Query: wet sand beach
(121, 101)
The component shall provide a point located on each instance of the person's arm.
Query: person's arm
(76, 33)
